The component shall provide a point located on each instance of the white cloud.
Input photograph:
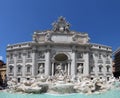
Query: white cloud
(1, 58)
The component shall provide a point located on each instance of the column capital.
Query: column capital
(48, 48)
(24, 53)
(34, 50)
(15, 54)
(74, 49)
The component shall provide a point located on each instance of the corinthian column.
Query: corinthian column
(86, 64)
(68, 68)
(47, 63)
(52, 68)
(34, 66)
(73, 63)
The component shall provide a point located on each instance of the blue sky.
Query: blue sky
(20, 18)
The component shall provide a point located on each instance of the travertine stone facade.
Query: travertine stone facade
(116, 63)
(59, 51)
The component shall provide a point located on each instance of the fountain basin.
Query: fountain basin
(109, 94)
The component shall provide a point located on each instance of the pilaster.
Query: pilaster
(96, 69)
(7, 69)
(15, 64)
(23, 67)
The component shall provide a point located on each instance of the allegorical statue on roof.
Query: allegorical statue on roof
(61, 25)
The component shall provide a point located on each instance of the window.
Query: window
(28, 69)
(99, 55)
(11, 69)
(91, 56)
(11, 56)
(18, 80)
(108, 78)
(91, 68)
(107, 55)
(29, 54)
(91, 78)
(28, 78)
(110, 56)
(108, 67)
(100, 68)
(80, 55)
(19, 55)
(19, 69)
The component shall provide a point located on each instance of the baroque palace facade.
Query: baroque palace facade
(59, 51)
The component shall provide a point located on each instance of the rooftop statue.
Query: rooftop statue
(61, 25)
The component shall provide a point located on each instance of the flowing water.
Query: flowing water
(108, 94)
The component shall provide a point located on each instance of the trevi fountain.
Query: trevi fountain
(60, 63)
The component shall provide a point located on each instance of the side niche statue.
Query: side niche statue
(41, 69)
(80, 69)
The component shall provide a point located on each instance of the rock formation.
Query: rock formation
(63, 84)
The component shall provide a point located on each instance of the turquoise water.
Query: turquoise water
(109, 94)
